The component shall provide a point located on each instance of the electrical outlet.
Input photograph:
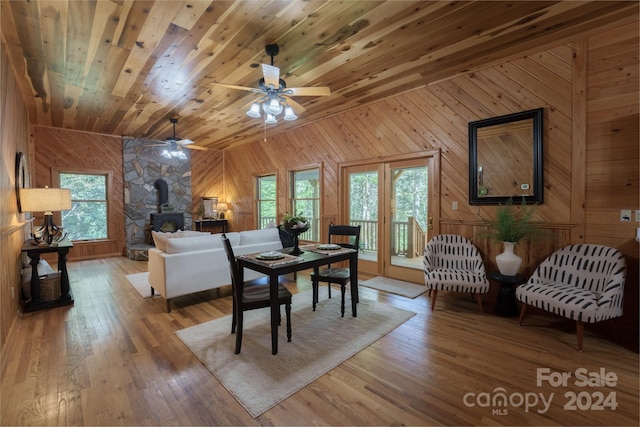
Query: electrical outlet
(638, 215)
(13, 296)
(454, 205)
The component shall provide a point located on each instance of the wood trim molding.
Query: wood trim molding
(579, 140)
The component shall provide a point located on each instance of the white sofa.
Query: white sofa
(186, 262)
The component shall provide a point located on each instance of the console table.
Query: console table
(33, 252)
(202, 224)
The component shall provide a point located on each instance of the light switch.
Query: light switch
(638, 215)
(454, 205)
(625, 215)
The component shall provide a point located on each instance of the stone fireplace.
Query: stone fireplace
(153, 185)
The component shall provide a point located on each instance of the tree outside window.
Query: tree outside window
(88, 217)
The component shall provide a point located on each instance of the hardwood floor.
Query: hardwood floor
(114, 359)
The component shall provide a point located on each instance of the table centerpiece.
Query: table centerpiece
(295, 225)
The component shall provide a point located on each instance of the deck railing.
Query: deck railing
(407, 237)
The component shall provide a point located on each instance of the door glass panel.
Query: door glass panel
(409, 195)
(363, 211)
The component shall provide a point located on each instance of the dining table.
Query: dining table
(312, 256)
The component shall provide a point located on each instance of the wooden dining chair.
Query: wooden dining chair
(251, 295)
(347, 236)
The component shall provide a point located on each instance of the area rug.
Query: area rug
(393, 286)
(140, 281)
(321, 340)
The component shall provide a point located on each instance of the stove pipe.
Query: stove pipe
(163, 193)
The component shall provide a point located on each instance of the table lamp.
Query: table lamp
(221, 208)
(46, 200)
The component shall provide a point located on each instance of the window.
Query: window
(305, 198)
(88, 218)
(266, 200)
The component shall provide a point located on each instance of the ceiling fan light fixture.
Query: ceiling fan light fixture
(274, 93)
(173, 152)
(274, 106)
(289, 114)
(254, 110)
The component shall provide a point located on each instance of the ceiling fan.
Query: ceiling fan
(275, 95)
(174, 145)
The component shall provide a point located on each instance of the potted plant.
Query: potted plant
(295, 225)
(201, 211)
(512, 224)
(294, 221)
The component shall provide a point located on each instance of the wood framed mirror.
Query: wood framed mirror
(210, 206)
(21, 177)
(505, 158)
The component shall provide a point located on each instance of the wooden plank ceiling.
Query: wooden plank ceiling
(126, 67)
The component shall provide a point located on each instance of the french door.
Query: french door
(394, 202)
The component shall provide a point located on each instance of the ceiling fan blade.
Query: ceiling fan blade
(271, 75)
(184, 142)
(197, 147)
(228, 86)
(296, 107)
(308, 91)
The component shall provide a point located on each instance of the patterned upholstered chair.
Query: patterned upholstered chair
(581, 282)
(452, 263)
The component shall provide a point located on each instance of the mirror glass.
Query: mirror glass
(210, 206)
(505, 158)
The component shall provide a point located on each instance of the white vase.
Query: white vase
(508, 262)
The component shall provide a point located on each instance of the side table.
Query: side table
(34, 251)
(201, 224)
(506, 304)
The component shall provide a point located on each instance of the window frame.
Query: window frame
(257, 200)
(315, 235)
(108, 174)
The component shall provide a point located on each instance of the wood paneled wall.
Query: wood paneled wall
(207, 178)
(15, 136)
(66, 150)
(431, 118)
(612, 157)
(589, 90)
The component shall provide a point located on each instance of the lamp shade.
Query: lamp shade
(45, 199)
(223, 206)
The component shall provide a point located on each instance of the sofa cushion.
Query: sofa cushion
(191, 233)
(234, 237)
(252, 237)
(160, 238)
(191, 244)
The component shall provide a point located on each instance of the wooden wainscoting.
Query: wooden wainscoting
(11, 241)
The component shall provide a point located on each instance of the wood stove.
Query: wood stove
(169, 222)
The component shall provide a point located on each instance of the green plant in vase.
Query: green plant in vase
(294, 221)
(512, 224)
(295, 225)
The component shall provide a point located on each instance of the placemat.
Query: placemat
(314, 248)
(286, 260)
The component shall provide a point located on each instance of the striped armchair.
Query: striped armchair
(581, 282)
(452, 263)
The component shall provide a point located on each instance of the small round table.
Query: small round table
(506, 301)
